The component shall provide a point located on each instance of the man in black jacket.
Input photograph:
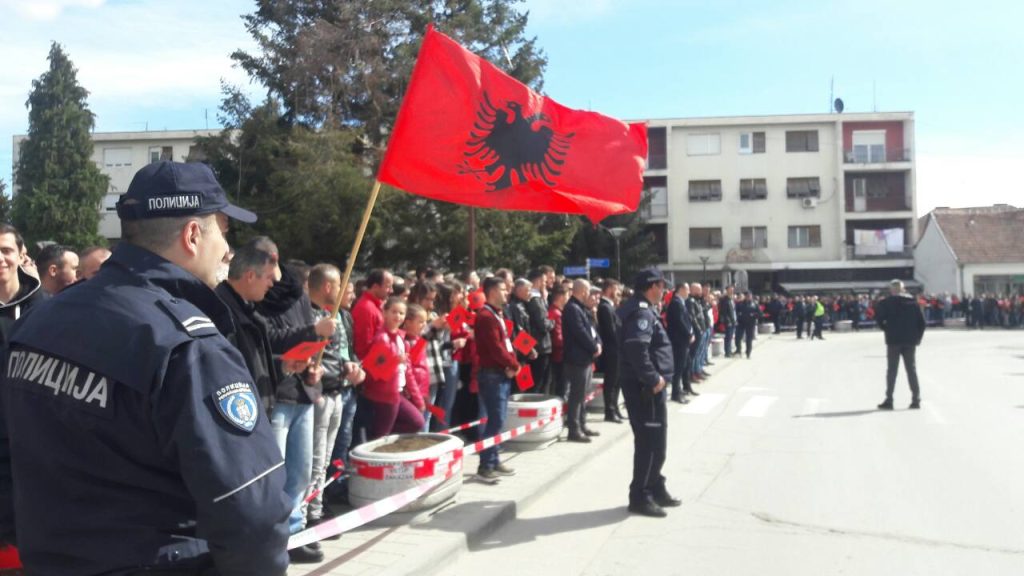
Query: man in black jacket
(903, 322)
(695, 307)
(608, 326)
(681, 332)
(582, 346)
(727, 318)
(748, 314)
(250, 275)
(540, 326)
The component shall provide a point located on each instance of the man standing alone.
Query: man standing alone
(903, 322)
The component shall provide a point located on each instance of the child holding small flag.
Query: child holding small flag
(390, 386)
(414, 325)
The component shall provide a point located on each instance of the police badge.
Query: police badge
(238, 405)
(643, 324)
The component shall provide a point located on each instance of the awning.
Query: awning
(853, 286)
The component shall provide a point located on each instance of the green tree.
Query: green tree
(636, 244)
(5, 203)
(59, 186)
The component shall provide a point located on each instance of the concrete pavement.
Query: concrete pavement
(784, 467)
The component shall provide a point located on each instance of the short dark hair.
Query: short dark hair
(10, 229)
(557, 290)
(159, 234)
(51, 254)
(491, 283)
(609, 283)
(321, 274)
(545, 269)
(393, 301)
(421, 290)
(91, 250)
(376, 277)
(535, 274)
(249, 257)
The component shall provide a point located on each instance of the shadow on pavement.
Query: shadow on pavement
(518, 530)
(837, 414)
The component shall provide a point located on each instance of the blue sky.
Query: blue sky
(158, 65)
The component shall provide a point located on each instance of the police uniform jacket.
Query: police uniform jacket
(645, 351)
(580, 335)
(136, 434)
(747, 314)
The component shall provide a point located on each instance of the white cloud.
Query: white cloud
(47, 9)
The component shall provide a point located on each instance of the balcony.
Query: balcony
(864, 253)
(657, 161)
(875, 155)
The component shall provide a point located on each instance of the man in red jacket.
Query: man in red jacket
(367, 317)
(498, 365)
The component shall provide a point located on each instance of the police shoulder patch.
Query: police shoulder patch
(238, 404)
(643, 324)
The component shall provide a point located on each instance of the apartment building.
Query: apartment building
(119, 155)
(799, 203)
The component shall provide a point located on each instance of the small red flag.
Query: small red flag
(508, 326)
(477, 300)
(470, 134)
(458, 317)
(418, 350)
(304, 350)
(524, 380)
(524, 343)
(381, 362)
(437, 412)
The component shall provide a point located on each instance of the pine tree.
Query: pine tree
(5, 203)
(59, 186)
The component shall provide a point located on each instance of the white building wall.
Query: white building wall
(998, 269)
(935, 266)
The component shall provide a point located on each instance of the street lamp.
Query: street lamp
(617, 233)
(704, 273)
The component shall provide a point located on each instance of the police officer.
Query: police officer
(646, 368)
(138, 441)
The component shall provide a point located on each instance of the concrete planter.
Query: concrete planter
(956, 323)
(844, 326)
(379, 475)
(765, 328)
(526, 408)
(597, 404)
(717, 346)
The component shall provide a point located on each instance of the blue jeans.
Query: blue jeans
(451, 386)
(348, 417)
(730, 336)
(494, 391)
(293, 430)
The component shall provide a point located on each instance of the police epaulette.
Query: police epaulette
(189, 318)
(645, 305)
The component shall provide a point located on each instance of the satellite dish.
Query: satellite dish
(838, 105)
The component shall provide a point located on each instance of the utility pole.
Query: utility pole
(472, 238)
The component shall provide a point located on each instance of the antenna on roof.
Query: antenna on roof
(831, 91)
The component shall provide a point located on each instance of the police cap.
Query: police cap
(646, 277)
(173, 189)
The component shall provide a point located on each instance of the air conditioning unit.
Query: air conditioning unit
(809, 203)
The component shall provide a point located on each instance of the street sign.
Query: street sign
(600, 263)
(575, 271)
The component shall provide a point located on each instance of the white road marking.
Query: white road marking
(934, 413)
(757, 406)
(702, 404)
(811, 407)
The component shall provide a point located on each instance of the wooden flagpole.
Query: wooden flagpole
(352, 255)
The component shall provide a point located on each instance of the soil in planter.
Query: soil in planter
(408, 444)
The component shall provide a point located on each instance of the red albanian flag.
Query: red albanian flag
(470, 134)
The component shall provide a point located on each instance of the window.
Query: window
(868, 146)
(159, 153)
(751, 142)
(801, 141)
(656, 150)
(753, 189)
(805, 236)
(703, 144)
(705, 238)
(117, 157)
(803, 187)
(705, 190)
(655, 198)
(753, 237)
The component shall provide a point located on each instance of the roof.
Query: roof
(991, 234)
(855, 286)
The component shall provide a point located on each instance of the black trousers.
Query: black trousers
(909, 354)
(818, 321)
(579, 378)
(540, 368)
(799, 328)
(611, 381)
(648, 419)
(745, 334)
(681, 373)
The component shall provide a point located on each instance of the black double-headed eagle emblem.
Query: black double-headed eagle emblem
(504, 143)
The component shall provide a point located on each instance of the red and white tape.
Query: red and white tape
(385, 506)
(593, 394)
(465, 426)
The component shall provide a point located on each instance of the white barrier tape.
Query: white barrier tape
(385, 506)
(593, 394)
